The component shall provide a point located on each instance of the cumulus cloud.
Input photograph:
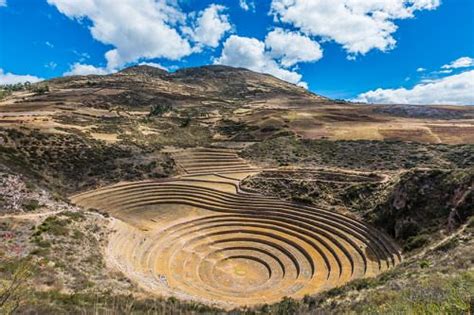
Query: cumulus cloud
(3, 3)
(10, 78)
(456, 89)
(358, 25)
(280, 51)
(247, 5)
(250, 53)
(420, 69)
(83, 69)
(291, 47)
(445, 71)
(463, 62)
(153, 64)
(137, 28)
(145, 29)
(51, 65)
(211, 25)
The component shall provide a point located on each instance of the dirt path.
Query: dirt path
(27, 216)
(439, 243)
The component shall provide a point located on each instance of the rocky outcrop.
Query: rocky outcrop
(423, 202)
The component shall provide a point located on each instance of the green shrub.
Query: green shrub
(452, 243)
(287, 306)
(303, 199)
(361, 284)
(54, 226)
(40, 89)
(417, 241)
(30, 204)
(424, 264)
(75, 216)
(185, 122)
(159, 110)
(4, 93)
(77, 235)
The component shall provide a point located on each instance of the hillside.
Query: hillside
(218, 189)
(140, 86)
(230, 103)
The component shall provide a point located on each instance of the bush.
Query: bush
(407, 229)
(75, 216)
(4, 93)
(53, 225)
(287, 306)
(424, 264)
(15, 87)
(452, 243)
(31, 204)
(303, 199)
(185, 122)
(159, 109)
(415, 242)
(40, 89)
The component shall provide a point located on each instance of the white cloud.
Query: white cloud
(147, 29)
(10, 78)
(82, 56)
(153, 64)
(454, 89)
(420, 69)
(83, 69)
(3, 3)
(291, 47)
(447, 71)
(463, 62)
(137, 28)
(358, 25)
(51, 65)
(247, 5)
(211, 26)
(250, 53)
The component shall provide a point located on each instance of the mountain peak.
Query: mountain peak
(144, 70)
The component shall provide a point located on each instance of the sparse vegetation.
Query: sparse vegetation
(56, 302)
(359, 193)
(417, 241)
(16, 87)
(72, 162)
(14, 289)
(40, 89)
(31, 204)
(159, 110)
(53, 225)
(415, 216)
(4, 93)
(362, 155)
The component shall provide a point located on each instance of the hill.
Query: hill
(232, 103)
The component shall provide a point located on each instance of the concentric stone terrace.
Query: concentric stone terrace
(205, 161)
(202, 238)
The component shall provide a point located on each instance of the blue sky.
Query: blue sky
(388, 51)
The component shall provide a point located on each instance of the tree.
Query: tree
(41, 89)
(159, 109)
(13, 291)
